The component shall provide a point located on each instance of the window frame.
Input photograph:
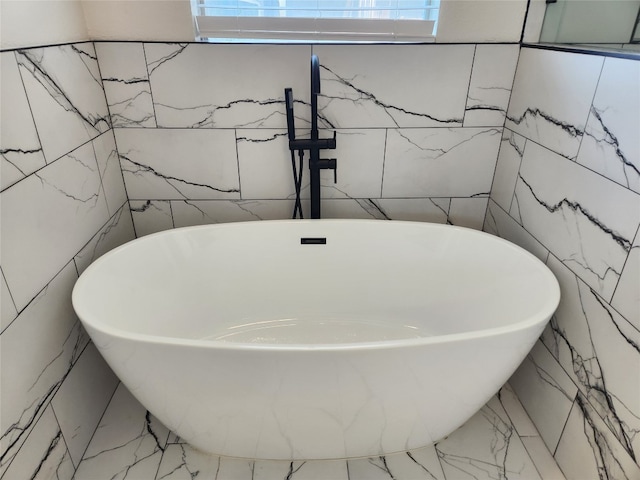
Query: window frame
(309, 30)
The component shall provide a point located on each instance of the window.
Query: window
(316, 20)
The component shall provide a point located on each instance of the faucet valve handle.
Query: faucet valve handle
(332, 164)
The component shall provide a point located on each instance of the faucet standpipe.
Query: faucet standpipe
(313, 145)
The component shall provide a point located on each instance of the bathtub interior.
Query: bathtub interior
(257, 283)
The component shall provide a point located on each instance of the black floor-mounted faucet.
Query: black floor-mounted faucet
(313, 145)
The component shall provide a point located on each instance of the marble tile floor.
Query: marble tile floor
(499, 442)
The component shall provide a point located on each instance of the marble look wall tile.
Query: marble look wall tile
(361, 208)
(126, 84)
(626, 298)
(82, 399)
(542, 458)
(44, 455)
(418, 465)
(517, 414)
(464, 212)
(429, 162)
(47, 218)
(546, 392)
(193, 212)
(468, 212)
(375, 85)
(20, 148)
(552, 94)
(222, 86)
(151, 216)
(9, 312)
(509, 160)
(181, 461)
(499, 223)
(598, 349)
(610, 145)
(266, 173)
(37, 353)
(128, 443)
(301, 470)
(104, 148)
(264, 164)
(177, 164)
(584, 219)
(65, 93)
(434, 210)
(486, 447)
(587, 448)
(360, 160)
(494, 67)
(118, 230)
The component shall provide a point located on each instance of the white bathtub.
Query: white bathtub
(248, 342)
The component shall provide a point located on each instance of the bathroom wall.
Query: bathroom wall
(63, 204)
(567, 188)
(41, 22)
(201, 129)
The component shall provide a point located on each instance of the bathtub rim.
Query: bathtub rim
(540, 318)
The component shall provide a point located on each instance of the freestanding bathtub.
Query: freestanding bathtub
(315, 339)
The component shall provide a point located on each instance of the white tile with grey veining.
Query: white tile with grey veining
(468, 212)
(37, 352)
(437, 162)
(599, 349)
(542, 458)
(264, 154)
(264, 163)
(301, 470)
(588, 450)
(128, 443)
(464, 212)
(181, 461)
(20, 148)
(151, 216)
(360, 208)
(360, 159)
(509, 160)
(585, 220)
(118, 230)
(552, 94)
(626, 298)
(375, 85)
(499, 223)
(223, 86)
(65, 93)
(44, 455)
(416, 464)
(106, 154)
(486, 447)
(9, 312)
(47, 218)
(82, 399)
(546, 393)
(517, 414)
(126, 84)
(494, 67)
(610, 145)
(435, 210)
(177, 164)
(187, 213)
